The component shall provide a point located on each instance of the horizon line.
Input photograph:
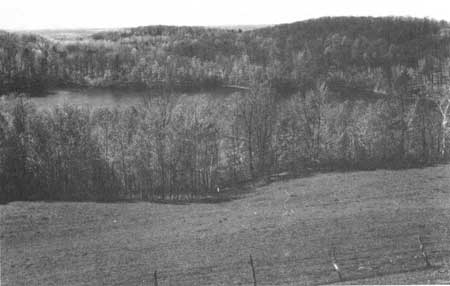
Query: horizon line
(221, 26)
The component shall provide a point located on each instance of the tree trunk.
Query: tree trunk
(424, 139)
(443, 139)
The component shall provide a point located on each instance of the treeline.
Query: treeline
(290, 56)
(184, 147)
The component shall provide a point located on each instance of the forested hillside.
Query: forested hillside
(356, 51)
(336, 92)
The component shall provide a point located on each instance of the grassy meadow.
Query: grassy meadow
(371, 218)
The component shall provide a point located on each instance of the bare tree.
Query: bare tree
(255, 112)
(313, 109)
(437, 90)
(160, 110)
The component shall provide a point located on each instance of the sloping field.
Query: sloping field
(372, 218)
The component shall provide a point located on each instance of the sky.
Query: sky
(74, 14)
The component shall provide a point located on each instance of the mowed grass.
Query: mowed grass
(372, 218)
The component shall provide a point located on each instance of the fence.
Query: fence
(337, 267)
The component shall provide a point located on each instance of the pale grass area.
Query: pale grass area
(372, 219)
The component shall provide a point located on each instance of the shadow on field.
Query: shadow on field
(202, 200)
(356, 277)
(225, 195)
(314, 171)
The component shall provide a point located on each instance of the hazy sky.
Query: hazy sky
(51, 14)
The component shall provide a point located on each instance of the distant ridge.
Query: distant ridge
(79, 34)
(242, 27)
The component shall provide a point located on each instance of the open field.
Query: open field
(372, 218)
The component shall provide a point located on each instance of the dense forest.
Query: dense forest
(327, 93)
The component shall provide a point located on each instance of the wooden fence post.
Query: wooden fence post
(335, 265)
(253, 270)
(424, 253)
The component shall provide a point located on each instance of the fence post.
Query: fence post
(334, 262)
(253, 270)
(424, 253)
(155, 277)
